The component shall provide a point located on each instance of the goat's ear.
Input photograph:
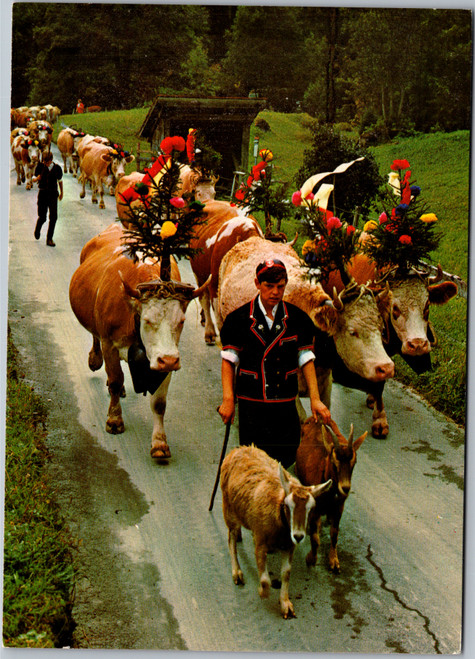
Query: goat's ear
(317, 490)
(357, 442)
(284, 480)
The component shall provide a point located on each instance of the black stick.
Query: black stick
(223, 453)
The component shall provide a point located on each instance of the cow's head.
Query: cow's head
(355, 322)
(116, 161)
(33, 149)
(161, 307)
(410, 301)
(193, 182)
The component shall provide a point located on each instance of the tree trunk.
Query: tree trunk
(331, 66)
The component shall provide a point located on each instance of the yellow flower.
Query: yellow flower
(308, 246)
(370, 225)
(429, 217)
(168, 230)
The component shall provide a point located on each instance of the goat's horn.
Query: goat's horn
(333, 431)
(350, 436)
(197, 292)
(292, 242)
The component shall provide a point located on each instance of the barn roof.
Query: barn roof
(187, 108)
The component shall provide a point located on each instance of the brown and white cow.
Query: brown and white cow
(26, 154)
(225, 226)
(133, 316)
(408, 331)
(42, 132)
(101, 165)
(355, 325)
(67, 143)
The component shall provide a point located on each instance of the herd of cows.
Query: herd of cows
(133, 316)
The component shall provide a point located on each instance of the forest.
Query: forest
(383, 71)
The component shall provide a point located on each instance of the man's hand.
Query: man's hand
(320, 411)
(226, 410)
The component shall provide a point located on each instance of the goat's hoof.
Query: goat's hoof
(160, 449)
(379, 430)
(115, 426)
(287, 610)
(370, 401)
(238, 578)
(310, 559)
(264, 589)
(210, 339)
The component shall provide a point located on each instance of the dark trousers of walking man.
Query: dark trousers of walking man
(47, 201)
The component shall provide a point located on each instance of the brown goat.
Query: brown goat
(320, 456)
(264, 498)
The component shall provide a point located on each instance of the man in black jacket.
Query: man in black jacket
(265, 342)
(49, 175)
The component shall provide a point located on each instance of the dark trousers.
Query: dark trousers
(272, 427)
(47, 201)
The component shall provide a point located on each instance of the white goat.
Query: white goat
(264, 498)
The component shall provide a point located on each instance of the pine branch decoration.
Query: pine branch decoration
(405, 233)
(161, 223)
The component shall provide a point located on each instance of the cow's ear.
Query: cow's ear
(106, 157)
(130, 159)
(325, 317)
(443, 292)
(134, 293)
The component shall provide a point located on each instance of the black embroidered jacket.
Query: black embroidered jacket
(268, 358)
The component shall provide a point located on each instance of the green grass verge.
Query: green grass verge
(38, 570)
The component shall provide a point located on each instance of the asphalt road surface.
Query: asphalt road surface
(153, 564)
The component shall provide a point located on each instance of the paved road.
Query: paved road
(153, 566)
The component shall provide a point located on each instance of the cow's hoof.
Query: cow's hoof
(94, 201)
(115, 426)
(102, 205)
(160, 449)
(82, 195)
(18, 182)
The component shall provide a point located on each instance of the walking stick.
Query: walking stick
(223, 453)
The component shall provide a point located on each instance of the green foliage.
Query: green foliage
(38, 572)
(355, 189)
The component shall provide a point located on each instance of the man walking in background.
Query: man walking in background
(49, 176)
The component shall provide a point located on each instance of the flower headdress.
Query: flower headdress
(161, 223)
(405, 231)
(332, 243)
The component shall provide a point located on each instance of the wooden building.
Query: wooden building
(224, 122)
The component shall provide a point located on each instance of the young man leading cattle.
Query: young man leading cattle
(265, 342)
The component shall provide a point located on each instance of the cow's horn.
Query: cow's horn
(337, 301)
(438, 277)
(132, 292)
(292, 242)
(197, 292)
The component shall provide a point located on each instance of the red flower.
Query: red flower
(383, 218)
(405, 240)
(297, 198)
(178, 143)
(333, 223)
(400, 164)
(350, 229)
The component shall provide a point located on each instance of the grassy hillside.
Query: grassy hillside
(440, 165)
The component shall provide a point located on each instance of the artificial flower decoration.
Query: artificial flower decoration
(370, 225)
(178, 202)
(297, 198)
(168, 229)
(405, 232)
(333, 223)
(429, 217)
(400, 164)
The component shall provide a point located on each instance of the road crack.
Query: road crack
(384, 586)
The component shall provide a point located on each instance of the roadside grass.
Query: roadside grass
(440, 165)
(38, 570)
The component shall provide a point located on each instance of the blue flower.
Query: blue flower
(401, 209)
(415, 190)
